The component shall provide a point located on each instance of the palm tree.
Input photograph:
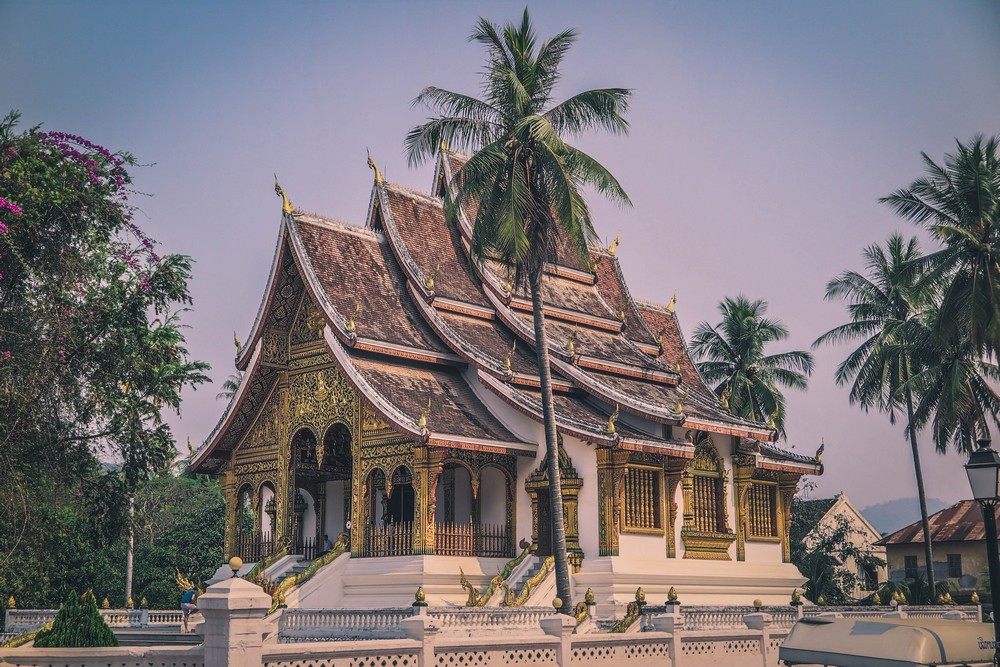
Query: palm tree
(525, 183)
(959, 203)
(885, 307)
(731, 354)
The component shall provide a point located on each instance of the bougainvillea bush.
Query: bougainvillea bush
(91, 347)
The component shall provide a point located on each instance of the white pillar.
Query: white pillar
(234, 627)
(422, 629)
(561, 626)
(673, 623)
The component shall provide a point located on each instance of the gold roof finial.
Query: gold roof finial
(679, 408)
(676, 367)
(610, 428)
(659, 336)
(444, 145)
(672, 304)
(819, 452)
(422, 422)
(510, 353)
(724, 399)
(286, 203)
(374, 167)
(429, 282)
(352, 325)
(571, 342)
(190, 447)
(613, 248)
(773, 424)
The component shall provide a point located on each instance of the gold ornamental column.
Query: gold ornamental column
(674, 469)
(611, 467)
(788, 486)
(743, 467)
(229, 495)
(426, 462)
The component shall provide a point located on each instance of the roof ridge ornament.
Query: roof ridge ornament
(422, 421)
(286, 204)
(613, 248)
(658, 337)
(571, 342)
(672, 304)
(819, 452)
(610, 428)
(724, 398)
(772, 424)
(429, 281)
(351, 326)
(374, 167)
(506, 360)
(679, 408)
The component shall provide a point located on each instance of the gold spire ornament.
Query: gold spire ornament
(677, 366)
(672, 304)
(819, 452)
(374, 167)
(724, 399)
(659, 337)
(422, 422)
(352, 325)
(444, 146)
(672, 595)
(571, 342)
(679, 408)
(510, 353)
(610, 428)
(429, 282)
(613, 248)
(772, 424)
(286, 203)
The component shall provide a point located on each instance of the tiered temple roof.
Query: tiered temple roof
(409, 317)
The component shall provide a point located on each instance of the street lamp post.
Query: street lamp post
(983, 470)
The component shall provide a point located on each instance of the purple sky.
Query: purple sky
(762, 136)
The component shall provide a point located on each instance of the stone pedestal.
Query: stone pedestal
(234, 625)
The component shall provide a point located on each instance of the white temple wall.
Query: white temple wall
(763, 552)
(642, 546)
(266, 494)
(584, 459)
(335, 519)
(309, 517)
(493, 497)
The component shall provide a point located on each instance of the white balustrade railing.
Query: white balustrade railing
(342, 624)
(25, 620)
(297, 625)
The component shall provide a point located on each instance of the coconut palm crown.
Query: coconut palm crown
(524, 182)
(731, 356)
(885, 305)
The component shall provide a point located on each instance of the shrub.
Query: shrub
(78, 624)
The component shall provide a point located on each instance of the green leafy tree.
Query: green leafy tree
(959, 203)
(524, 182)
(820, 551)
(91, 346)
(731, 355)
(885, 305)
(78, 624)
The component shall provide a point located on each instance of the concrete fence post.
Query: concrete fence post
(673, 624)
(762, 624)
(422, 629)
(234, 627)
(561, 626)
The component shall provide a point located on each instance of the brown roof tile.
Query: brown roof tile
(613, 289)
(431, 242)
(455, 410)
(593, 342)
(962, 522)
(356, 269)
(494, 340)
(672, 342)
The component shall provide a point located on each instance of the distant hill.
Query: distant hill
(890, 516)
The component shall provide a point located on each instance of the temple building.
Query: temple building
(391, 393)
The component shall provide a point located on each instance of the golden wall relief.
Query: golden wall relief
(308, 325)
(537, 486)
(705, 532)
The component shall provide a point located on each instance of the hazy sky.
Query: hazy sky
(762, 136)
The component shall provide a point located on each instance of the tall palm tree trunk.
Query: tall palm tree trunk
(551, 447)
(924, 521)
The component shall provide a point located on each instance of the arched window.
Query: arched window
(706, 532)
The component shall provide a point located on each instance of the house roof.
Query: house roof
(962, 522)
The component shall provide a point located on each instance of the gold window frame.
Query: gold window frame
(657, 504)
(772, 489)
